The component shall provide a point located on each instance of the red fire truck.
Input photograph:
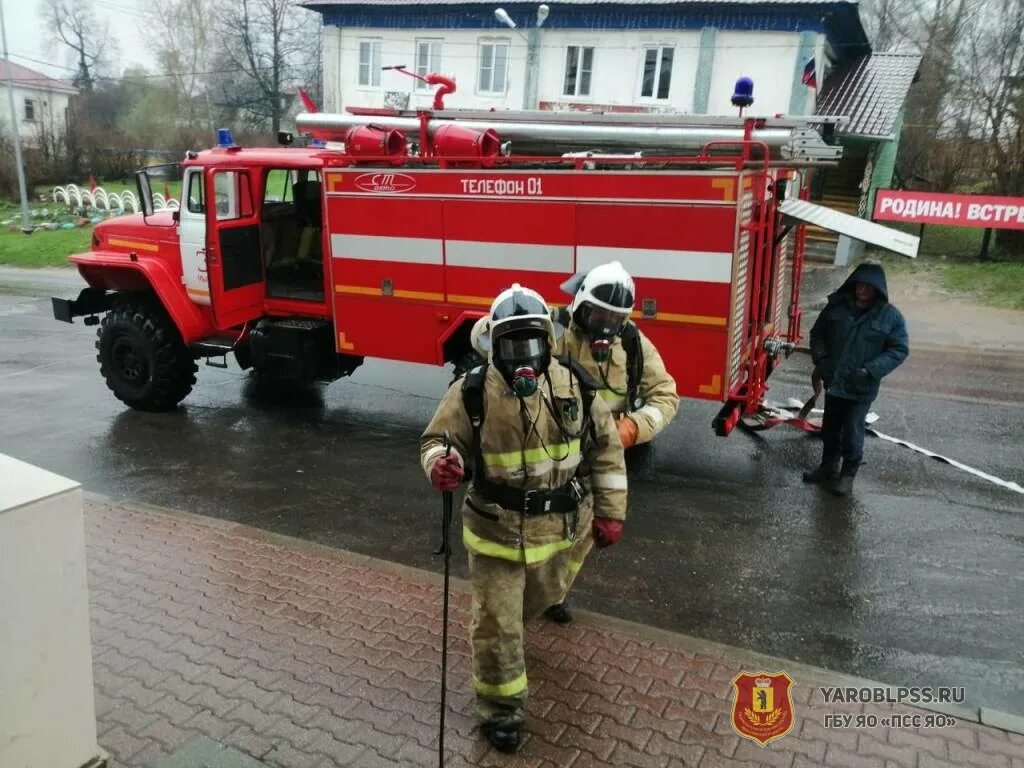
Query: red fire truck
(390, 236)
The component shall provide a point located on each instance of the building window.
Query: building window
(369, 63)
(30, 109)
(428, 59)
(657, 74)
(579, 63)
(493, 66)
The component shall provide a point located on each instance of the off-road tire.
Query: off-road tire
(142, 356)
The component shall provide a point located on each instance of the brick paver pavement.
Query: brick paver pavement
(299, 656)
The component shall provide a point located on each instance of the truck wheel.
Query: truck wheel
(142, 356)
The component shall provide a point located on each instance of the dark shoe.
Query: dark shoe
(844, 485)
(503, 739)
(559, 613)
(825, 474)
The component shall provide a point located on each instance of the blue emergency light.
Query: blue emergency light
(224, 138)
(743, 92)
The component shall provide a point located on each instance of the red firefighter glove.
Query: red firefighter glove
(606, 532)
(628, 431)
(446, 473)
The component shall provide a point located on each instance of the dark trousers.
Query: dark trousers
(842, 429)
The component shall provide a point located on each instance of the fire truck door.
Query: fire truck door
(234, 260)
(192, 236)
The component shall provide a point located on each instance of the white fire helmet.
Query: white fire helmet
(602, 301)
(608, 286)
(520, 337)
(514, 309)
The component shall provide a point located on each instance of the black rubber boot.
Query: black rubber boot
(559, 613)
(844, 485)
(826, 473)
(503, 738)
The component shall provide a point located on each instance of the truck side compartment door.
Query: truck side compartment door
(234, 259)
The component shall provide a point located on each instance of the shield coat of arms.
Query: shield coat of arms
(762, 709)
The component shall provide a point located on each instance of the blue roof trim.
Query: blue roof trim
(840, 23)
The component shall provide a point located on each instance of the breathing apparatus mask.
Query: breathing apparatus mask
(600, 326)
(519, 338)
(522, 357)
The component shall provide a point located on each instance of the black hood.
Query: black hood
(872, 274)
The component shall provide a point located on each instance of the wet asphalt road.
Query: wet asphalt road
(918, 580)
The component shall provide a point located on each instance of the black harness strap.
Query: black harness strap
(473, 402)
(634, 366)
(562, 500)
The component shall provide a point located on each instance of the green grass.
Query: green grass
(999, 284)
(42, 249)
(948, 242)
(51, 248)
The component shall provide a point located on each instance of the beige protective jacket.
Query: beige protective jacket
(657, 387)
(523, 446)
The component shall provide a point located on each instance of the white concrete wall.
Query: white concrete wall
(50, 110)
(768, 57)
(459, 58)
(47, 711)
(618, 66)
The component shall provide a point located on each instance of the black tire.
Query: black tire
(142, 356)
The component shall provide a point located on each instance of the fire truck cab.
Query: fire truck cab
(391, 238)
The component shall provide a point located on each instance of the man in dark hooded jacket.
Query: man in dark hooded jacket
(857, 339)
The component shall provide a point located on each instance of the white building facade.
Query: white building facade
(681, 57)
(40, 103)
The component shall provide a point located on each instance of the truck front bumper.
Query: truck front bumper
(91, 301)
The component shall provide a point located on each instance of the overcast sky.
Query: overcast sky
(27, 36)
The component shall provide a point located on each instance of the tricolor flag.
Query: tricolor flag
(810, 78)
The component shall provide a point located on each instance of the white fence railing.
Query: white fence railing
(99, 199)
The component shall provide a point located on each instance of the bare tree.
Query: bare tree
(886, 23)
(179, 31)
(263, 42)
(88, 38)
(995, 83)
(934, 113)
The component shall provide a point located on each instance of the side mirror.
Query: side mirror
(145, 193)
(176, 216)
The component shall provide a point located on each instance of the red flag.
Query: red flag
(92, 184)
(810, 76)
(167, 191)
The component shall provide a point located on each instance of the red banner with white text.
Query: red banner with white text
(952, 210)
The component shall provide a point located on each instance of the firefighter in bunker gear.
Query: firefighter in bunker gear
(639, 391)
(548, 477)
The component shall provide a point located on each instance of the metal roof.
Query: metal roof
(23, 77)
(851, 226)
(870, 91)
(839, 20)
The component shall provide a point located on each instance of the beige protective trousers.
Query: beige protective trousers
(506, 596)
